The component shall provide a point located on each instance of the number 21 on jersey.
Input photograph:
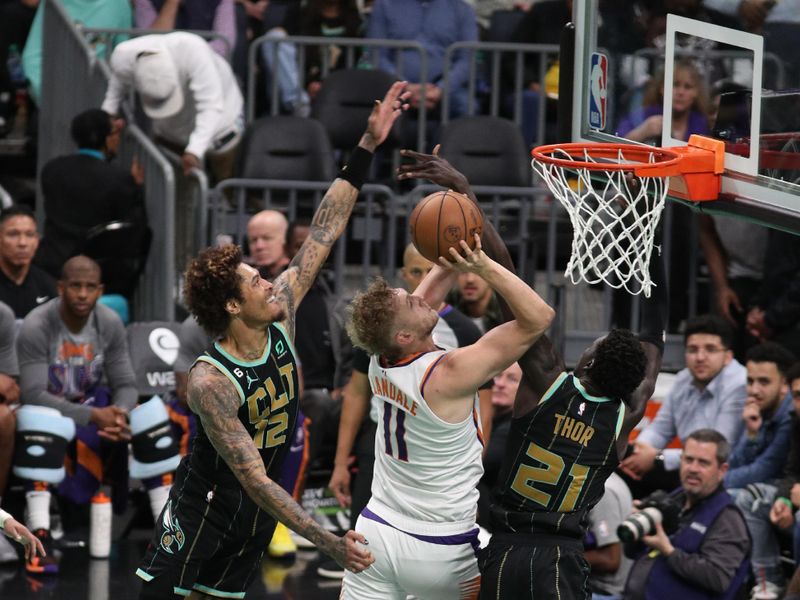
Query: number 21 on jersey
(271, 425)
(528, 480)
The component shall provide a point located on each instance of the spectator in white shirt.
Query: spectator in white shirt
(188, 91)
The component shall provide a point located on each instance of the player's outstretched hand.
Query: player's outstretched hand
(19, 533)
(353, 555)
(434, 168)
(467, 260)
(384, 114)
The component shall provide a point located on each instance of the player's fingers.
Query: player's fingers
(478, 246)
(436, 149)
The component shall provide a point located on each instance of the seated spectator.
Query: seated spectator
(9, 396)
(266, 240)
(690, 107)
(775, 312)
(603, 548)
(709, 392)
(769, 509)
(23, 285)
(73, 358)
(109, 14)
(760, 453)
(411, 20)
(84, 190)
(173, 15)
(504, 390)
(484, 9)
(188, 91)
(707, 556)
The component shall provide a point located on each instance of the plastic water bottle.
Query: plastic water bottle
(14, 63)
(100, 527)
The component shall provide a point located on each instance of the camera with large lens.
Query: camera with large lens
(658, 507)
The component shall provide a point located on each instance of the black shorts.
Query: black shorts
(544, 567)
(208, 538)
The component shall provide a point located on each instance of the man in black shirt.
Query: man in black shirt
(23, 286)
(83, 190)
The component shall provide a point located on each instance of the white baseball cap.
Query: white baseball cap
(155, 77)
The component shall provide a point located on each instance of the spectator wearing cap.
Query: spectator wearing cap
(84, 189)
(188, 91)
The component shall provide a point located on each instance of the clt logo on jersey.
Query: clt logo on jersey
(280, 348)
(581, 408)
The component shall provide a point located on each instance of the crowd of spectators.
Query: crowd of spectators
(733, 408)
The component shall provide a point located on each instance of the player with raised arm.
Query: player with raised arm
(225, 501)
(420, 519)
(568, 433)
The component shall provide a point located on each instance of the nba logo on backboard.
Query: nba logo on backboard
(598, 81)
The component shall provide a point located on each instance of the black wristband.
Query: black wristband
(356, 170)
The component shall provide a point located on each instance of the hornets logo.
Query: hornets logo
(172, 531)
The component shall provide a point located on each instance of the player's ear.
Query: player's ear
(232, 307)
(403, 338)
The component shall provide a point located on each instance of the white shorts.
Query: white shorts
(437, 568)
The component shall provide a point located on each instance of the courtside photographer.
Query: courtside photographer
(707, 554)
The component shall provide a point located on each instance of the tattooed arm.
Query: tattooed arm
(334, 211)
(212, 397)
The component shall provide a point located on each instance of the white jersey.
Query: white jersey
(426, 469)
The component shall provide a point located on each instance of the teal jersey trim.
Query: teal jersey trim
(144, 575)
(290, 340)
(217, 593)
(244, 363)
(577, 383)
(222, 369)
(553, 387)
(620, 417)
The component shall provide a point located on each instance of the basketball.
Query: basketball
(441, 220)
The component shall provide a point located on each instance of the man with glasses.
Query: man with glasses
(709, 393)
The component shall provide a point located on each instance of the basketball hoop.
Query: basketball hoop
(614, 195)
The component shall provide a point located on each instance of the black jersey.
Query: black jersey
(268, 389)
(557, 459)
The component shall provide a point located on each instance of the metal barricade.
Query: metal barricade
(373, 223)
(486, 64)
(66, 51)
(368, 49)
(72, 81)
(156, 292)
(191, 209)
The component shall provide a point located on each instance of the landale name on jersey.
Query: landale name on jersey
(390, 391)
(575, 430)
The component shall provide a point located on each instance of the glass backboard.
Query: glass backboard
(728, 83)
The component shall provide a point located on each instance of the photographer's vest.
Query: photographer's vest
(662, 583)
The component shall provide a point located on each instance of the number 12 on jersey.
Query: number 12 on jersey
(527, 479)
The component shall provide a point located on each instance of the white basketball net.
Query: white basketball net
(614, 221)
